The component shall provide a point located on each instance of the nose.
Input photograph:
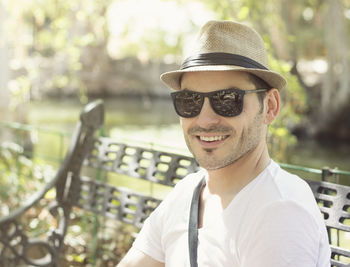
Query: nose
(207, 117)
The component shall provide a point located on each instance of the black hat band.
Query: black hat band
(207, 59)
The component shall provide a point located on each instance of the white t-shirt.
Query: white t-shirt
(273, 221)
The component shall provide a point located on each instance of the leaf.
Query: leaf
(243, 13)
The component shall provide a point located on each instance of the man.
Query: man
(251, 213)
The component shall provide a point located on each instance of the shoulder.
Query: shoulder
(281, 186)
(285, 227)
(286, 181)
(280, 198)
(287, 214)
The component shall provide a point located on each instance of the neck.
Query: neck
(228, 181)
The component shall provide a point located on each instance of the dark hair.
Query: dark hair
(259, 84)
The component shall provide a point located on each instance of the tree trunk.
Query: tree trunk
(333, 122)
(335, 92)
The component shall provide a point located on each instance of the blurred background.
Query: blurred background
(58, 55)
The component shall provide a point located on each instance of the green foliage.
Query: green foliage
(20, 177)
(57, 32)
(113, 240)
(293, 106)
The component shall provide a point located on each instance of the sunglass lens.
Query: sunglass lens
(187, 104)
(227, 103)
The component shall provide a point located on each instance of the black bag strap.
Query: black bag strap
(193, 224)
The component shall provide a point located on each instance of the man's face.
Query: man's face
(217, 141)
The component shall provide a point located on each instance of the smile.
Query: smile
(213, 138)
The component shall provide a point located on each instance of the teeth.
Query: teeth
(211, 138)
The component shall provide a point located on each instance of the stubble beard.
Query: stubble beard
(211, 159)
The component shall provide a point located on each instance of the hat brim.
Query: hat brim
(275, 80)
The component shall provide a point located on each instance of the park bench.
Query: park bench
(74, 188)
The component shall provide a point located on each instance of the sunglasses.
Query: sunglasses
(226, 102)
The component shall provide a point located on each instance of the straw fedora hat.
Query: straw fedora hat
(223, 46)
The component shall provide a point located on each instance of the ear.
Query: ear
(272, 105)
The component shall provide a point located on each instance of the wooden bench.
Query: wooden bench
(73, 188)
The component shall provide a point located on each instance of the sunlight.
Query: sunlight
(133, 21)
